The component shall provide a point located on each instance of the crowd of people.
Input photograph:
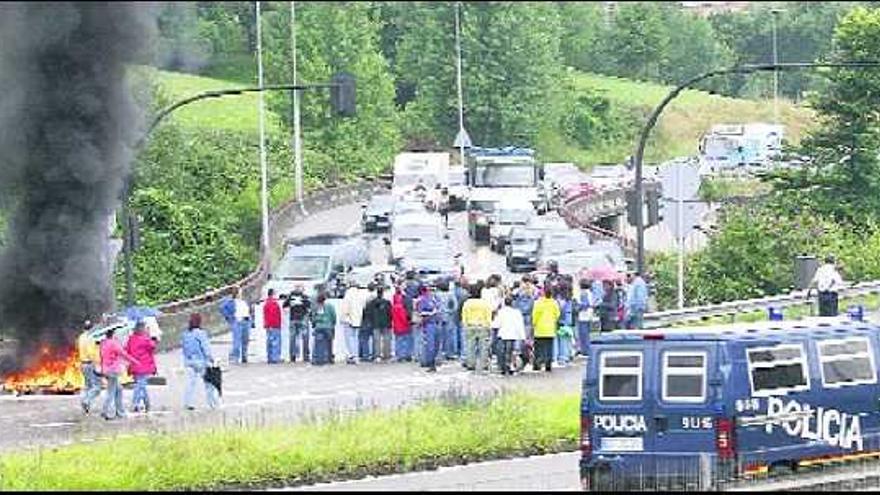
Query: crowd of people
(530, 321)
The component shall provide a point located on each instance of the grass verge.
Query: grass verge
(375, 442)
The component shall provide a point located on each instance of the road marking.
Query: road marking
(51, 425)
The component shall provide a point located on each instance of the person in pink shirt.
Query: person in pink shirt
(112, 356)
(141, 347)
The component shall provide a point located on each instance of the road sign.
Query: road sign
(691, 214)
(680, 180)
(462, 140)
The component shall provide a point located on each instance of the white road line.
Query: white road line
(51, 425)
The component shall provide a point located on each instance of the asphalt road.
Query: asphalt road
(258, 393)
(554, 472)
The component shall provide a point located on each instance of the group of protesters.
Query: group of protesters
(541, 322)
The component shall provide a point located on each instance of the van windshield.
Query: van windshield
(620, 376)
(303, 267)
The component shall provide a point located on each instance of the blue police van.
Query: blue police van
(699, 407)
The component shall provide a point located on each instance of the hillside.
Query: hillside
(235, 113)
(682, 123)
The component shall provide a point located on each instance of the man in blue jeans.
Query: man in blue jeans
(300, 307)
(241, 330)
(636, 301)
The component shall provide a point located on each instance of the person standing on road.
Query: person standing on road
(300, 307)
(242, 329)
(460, 291)
(196, 358)
(400, 325)
(366, 342)
(89, 361)
(323, 319)
(608, 307)
(565, 331)
(511, 330)
(352, 310)
(476, 317)
(272, 324)
(545, 320)
(428, 307)
(828, 282)
(143, 349)
(584, 317)
(377, 316)
(446, 339)
(112, 355)
(636, 302)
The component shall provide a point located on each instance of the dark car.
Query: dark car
(376, 215)
(522, 250)
(479, 220)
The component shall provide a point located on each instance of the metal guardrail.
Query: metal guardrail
(795, 298)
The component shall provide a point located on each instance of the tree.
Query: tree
(843, 180)
(639, 40)
(181, 46)
(511, 63)
(332, 38)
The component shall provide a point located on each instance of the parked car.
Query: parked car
(558, 243)
(376, 215)
(413, 229)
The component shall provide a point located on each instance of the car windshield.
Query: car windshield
(514, 216)
(719, 145)
(505, 176)
(484, 206)
(380, 204)
(302, 267)
(561, 244)
(417, 232)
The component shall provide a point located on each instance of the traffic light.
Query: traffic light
(652, 198)
(342, 94)
(631, 207)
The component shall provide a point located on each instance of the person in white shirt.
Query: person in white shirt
(241, 329)
(827, 281)
(511, 330)
(352, 312)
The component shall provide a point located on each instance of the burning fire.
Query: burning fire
(56, 372)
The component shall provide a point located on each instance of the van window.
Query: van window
(846, 362)
(684, 376)
(778, 369)
(620, 376)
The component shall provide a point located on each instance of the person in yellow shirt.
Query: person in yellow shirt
(545, 320)
(89, 360)
(476, 318)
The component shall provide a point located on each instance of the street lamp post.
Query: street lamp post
(655, 114)
(342, 105)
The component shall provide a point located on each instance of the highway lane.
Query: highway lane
(553, 472)
(260, 393)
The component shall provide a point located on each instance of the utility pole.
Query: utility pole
(774, 13)
(461, 130)
(264, 172)
(297, 139)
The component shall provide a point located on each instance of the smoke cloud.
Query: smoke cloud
(67, 126)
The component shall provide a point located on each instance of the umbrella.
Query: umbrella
(603, 273)
(137, 313)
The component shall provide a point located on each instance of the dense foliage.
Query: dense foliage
(831, 206)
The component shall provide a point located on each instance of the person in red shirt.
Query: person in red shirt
(272, 324)
(400, 316)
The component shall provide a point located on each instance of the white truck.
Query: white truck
(419, 170)
(729, 147)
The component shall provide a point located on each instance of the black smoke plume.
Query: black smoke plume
(67, 126)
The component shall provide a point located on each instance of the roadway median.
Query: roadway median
(456, 430)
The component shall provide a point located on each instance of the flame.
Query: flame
(57, 372)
